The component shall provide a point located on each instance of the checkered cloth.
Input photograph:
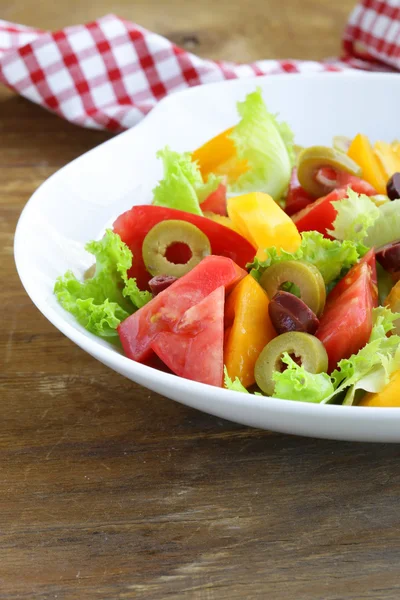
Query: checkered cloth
(109, 73)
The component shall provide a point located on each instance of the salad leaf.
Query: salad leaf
(360, 220)
(371, 367)
(295, 383)
(182, 187)
(355, 215)
(386, 228)
(368, 370)
(235, 385)
(137, 297)
(266, 145)
(103, 301)
(332, 257)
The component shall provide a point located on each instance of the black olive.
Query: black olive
(393, 187)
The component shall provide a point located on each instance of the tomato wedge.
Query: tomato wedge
(133, 226)
(333, 179)
(320, 215)
(297, 198)
(138, 332)
(216, 201)
(194, 349)
(346, 324)
(351, 277)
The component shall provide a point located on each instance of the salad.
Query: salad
(258, 266)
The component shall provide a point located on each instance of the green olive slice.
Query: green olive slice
(341, 143)
(304, 275)
(302, 347)
(312, 159)
(166, 234)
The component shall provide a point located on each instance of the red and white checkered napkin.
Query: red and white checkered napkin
(109, 73)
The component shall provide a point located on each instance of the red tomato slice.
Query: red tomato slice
(133, 226)
(356, 183)
(320, 215)
(138, 332)
(216, 201)
(351, 277)
(346, 324)
(297, 198)
(333, 179)
(195, 349)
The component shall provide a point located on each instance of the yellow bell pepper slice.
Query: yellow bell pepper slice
(218, 156)
(388, 397)
(251, 330)
(393, 302)
(362, 153)
(388, 158)
(258, 218)
(396, 148)
(221, 219)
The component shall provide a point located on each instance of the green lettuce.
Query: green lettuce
(235, 385)
(182, 187)
(360, 220)
(100, 303)
(368, 370)
(331, 257)
(355, 215)
(266, 145)
(295, 383)
(386, 228)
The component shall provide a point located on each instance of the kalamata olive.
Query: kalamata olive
(305, 275)
(393, 187)
(159, 283)
(389, 257)
(289, 313)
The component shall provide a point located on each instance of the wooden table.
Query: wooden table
(109, 491)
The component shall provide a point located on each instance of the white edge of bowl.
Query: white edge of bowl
(163, 382)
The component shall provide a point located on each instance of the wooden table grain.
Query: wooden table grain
(109, 491)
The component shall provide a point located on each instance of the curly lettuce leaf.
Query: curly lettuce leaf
(266, 145)
(182, 187)
(360, 220)
(235, 385)
(355, 215)
(368, 370)
(295, 383)
(386, 229)
(100, 303)
(332, 257)
(137, 297)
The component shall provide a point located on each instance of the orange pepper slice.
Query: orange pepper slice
(388, 158)
(388, 397)
(218, 156)
(362, 153)
(251, 329)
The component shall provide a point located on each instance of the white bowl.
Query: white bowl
(80, 200)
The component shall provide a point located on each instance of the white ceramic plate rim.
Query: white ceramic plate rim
(165, 383)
